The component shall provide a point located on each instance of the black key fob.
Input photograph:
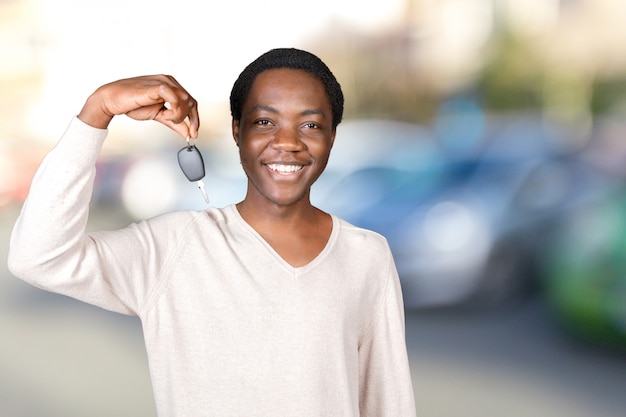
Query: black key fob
(191, 163)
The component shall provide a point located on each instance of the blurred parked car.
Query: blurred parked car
(465, 228)
(585, 277)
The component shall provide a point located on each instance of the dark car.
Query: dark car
(464, 228)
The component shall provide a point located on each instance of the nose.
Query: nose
(288, 139)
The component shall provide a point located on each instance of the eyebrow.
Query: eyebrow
(275, 110)
(264, 107)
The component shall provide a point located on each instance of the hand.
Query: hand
(144, 98)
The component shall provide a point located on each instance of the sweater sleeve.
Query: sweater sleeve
(49, 246)
(386, 389)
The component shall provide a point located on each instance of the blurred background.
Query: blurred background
(486, 139)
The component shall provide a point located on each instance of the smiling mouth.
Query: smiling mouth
(284, 169)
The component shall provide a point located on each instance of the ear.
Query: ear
(332, 137)
(235, 130)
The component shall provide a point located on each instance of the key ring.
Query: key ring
(191, 144)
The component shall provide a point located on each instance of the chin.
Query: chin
(286, 196)
(288, 200)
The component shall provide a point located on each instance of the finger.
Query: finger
(158, 97)
(176, 124)
(194, 122)
(181, 128)
(186, 108)
(173, 117)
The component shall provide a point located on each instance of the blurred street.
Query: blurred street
(62, 358)
(510, 363)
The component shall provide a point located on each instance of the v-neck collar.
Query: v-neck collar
(233, 213)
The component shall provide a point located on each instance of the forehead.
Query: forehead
(287, 84)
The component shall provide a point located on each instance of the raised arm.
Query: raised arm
(49, 246)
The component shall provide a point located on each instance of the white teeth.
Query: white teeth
(284, 169)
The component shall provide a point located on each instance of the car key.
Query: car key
(191, 163)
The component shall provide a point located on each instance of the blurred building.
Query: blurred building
(554, 50)
(399, 60)
(513, 54)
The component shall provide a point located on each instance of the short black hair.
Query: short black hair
(291, 58)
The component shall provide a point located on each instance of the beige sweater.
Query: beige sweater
(231, 329)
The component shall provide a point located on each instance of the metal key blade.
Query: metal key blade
(200, 184)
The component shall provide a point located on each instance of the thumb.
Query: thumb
(181, 128)
(170, 119)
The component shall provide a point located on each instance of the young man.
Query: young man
(269, 307)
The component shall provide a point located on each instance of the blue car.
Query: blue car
(464, 228)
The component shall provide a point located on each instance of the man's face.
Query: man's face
(284, 136)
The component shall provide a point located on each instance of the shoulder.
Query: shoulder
(173, 219)
(360, 235)
(184, 222)
(363, 244)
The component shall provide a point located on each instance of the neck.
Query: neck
(298, 232)
(261, 215)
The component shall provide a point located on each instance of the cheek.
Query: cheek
(320, 150)
(248, 149)
(244, 157)
(250, 155)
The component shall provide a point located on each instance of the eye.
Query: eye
(263, 122)
(311, 125)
